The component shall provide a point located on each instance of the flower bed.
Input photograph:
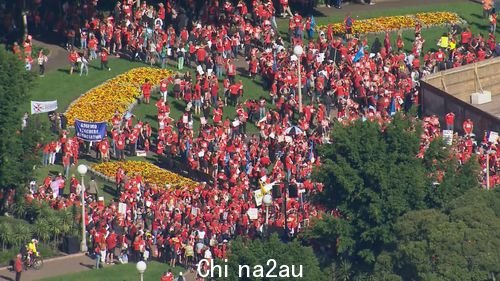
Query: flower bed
(149, 172)
(382, 24)
(116, 94)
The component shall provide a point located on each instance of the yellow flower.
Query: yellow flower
(116, 94)
(382, 24)
(149, 172)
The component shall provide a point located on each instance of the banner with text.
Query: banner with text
(90, 131)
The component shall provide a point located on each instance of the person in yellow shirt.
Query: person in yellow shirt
(32, 251)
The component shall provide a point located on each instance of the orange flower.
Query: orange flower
(382, 24)
(116, 94)
(149, 172)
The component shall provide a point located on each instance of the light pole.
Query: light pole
(298, 50)
(488, 167)
(268, 200)
(82, 170)
(25, 23)
(141, 267)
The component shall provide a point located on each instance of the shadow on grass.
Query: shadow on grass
(63, 70)
(89, 266)
(482, 27)
(151, 118)
(108, 188)
(242, 70)
(3, 277)
(477, 16)
(177, 105)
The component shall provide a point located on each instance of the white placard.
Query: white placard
(493, 137)
(320, 58)
(448, 136)
(236, 123)
(185, 119)
(199, 68)
(203, 120)
(258, 197)
(253, 213)
(122, 208)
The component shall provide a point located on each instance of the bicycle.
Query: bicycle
(34, 262)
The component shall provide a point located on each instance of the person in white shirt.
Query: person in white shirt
(84, 65)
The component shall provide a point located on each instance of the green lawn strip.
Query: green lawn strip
(469, 11)
(123, 272)
(66, 88)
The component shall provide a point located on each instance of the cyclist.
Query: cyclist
(32, 251)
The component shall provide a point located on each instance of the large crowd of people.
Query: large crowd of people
(342, 79)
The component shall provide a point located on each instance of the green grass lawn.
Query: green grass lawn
(123, 272)
(469, 11)
(58, 84)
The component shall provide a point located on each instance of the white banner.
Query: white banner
(122, 208)
(448, 136)
(493, 137)
(43, 106)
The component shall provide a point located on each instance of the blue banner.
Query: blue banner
(90, 131)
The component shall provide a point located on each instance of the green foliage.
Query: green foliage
(258, 252)
(372, 176)
(459, 243)
(16, 148)
(14, 232)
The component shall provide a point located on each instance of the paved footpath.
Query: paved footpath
(61, 266)
(52, 268)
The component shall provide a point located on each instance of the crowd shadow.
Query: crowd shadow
(3, 277)
(63, 70)
(89, 266)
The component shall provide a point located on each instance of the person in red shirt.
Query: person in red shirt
(73, 58)
(468, 126)
(146, 91)
(450, 120)
(111, 242)
(231, 71)
(104, 149)
(18, 266)
(104, 59)
(120, 147)
(167, 276)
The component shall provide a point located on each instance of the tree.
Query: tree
(372, 177)
(16, 147)
(458, 243)
(260, 252)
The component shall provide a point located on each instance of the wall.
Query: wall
(438, 102)
(462, 82)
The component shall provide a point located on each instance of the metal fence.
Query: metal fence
(438, 102)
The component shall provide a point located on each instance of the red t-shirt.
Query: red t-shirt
(111, 241)
(104, 56)
(146, 89)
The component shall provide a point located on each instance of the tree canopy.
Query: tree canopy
(259, 252)
(458, 243)
(17, 155)
(372, 177)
